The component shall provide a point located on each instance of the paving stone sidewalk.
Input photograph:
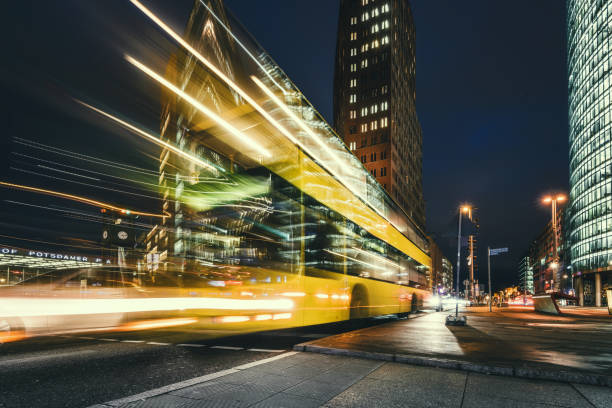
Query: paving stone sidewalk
(318, 380)
(515, 343)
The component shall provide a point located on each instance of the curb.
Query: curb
(506, 371)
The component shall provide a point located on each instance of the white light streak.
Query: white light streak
(212, 115)
(148, 136)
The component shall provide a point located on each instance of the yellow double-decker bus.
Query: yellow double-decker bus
(280, 200)
(271, 221)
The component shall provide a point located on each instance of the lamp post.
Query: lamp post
(462, 209)
(553, 201)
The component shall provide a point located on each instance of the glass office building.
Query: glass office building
(588, 34)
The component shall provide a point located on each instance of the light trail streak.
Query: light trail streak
(180, 40)
(84, 184)
(214, 68)
(250, 100)
(68, 172)
(79, 199)
(156, 324)
(156, 185)
(28, 306)
(379, 257)
(225, 78)
(318, 140)
(48, 242)
(355, 259)
(212, 115)
(150, 137)
(80, 156)
(297, 120)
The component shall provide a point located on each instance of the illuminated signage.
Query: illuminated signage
(51, 255)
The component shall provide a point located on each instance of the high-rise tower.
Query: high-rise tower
(374, 96)
(590, 146)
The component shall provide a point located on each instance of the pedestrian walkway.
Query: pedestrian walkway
(511, 342)
(295, 380)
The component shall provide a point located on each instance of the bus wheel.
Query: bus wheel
(414, 304)
(359, 302)
(10, 330)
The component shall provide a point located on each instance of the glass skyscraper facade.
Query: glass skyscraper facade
(588, 32)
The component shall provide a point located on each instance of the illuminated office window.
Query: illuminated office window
(365, 47)
(352, 98)
(364, 63)
(353, 145)
(384, 122)
(364, 127)
(385, 40)
(374, 125)
(353, 67)
(385, 8)
(353, 114)
(364, 2)
(353, 36)
(385, 24)
(375, 44)
(353, 83)
(375, 12)
(384, 89)
(384, 106)
(353, 20)
(375, 29)
(365, 16)
(374, 109)
(353, 52)
(364, 112)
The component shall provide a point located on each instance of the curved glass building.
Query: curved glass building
(589, 31)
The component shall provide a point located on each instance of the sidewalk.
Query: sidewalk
(517, 343)
(313, 380)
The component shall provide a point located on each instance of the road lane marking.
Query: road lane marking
(191, 345)
(108, 339)
(227, 348)
(132, 341)
(265, 360)
(188, 383)
(266, 350)
(154, 343)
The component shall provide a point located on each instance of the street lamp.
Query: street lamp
(463, 209)
(553, 201)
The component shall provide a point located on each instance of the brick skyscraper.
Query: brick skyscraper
(374, 97)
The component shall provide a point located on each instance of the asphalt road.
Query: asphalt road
(82, 370)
